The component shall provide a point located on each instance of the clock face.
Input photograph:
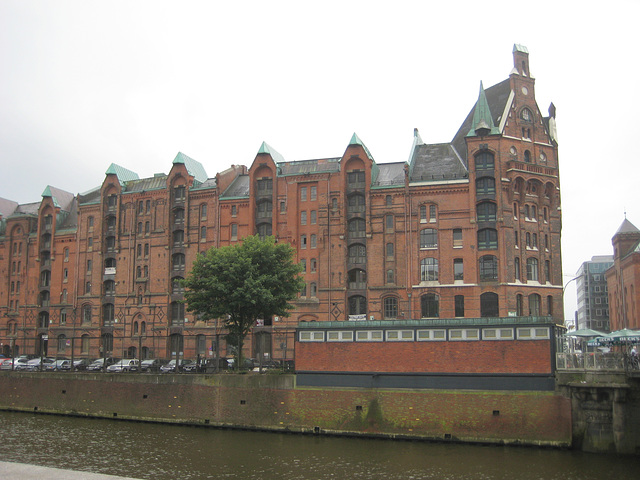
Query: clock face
(525, 91)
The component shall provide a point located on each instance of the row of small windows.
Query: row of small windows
(488, 268)
(426, 335)
(533, 270)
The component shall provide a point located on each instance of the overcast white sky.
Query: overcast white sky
(85, 83)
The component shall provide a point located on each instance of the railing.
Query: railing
(597, 361)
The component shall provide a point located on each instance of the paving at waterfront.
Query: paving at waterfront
(21, 471)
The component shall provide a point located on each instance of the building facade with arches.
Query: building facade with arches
(465, 229)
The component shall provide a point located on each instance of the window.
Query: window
(388, 201)
(313, 240)
(369, 336)
(357, 253)
(515, 210)
(234, 231)
(399, 335)
(303, 241)
(431, 335)
(311, 336)
(357, 228)
(313, 289)
(390, 306)
(177, 313)
(547, 271)
(176, 286)
(264, 230)
(178, 261)
(534, 241)
(430, 305)
(283, 206)
(484, 161)
(203, 211)
(487, 239)
(340, 336)
(355, 179)
(423, 214)
(303, 262)
(432, 213)
(457, 238)
(485, 186)
(489, 306)
(389, 251)
(428, 238)
(313, 193)
(178, 238)
(529, 333)
(459, 334)
(303, 217)
(147, 227)
(90, 222)
(90, 243)
(303, 194)
(549, 305)
(110, 287)
(519, 300)
(265, 186)
(516, 266)
(179, 192)
(497, 333)
(356, 204)
(459, 305)
(139, 250)
(357, 305)
(264, 209)
(313, 265)
(532, 269)
(389, 223)
(528, 239)
(146, 249)
(203, 233)
(357, 279)
(234, 210)
(486, 212)
(107, 314)
(515, 239)
(458, 269)
(313, 217)
(303, 290)
(86, 314)
(85, 342)
(66, 254)
(429, 270)
(178, 215)
(140, 206)
(534, 305)
(488, 267)
(62, 343)
(390, 276)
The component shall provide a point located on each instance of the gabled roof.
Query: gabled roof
(627, 227)
(266, 148)
(496, 98)
(390, 175)
(61, 199)
(194, 167)
(239, 188)
(355, 140)
(7, 207)
(157, 182)
(436, 162)
(122, 173)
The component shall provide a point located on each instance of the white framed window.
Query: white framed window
(399, 335)
(464, 334)
(369, 336)
(533, 333)
(497, 333)
(431, 335)
(311, 336)
(340, 336)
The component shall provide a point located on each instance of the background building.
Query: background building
(465, 229)
(593, 295)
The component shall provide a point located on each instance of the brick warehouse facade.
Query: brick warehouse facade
(466, 229)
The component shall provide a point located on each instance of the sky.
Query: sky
(87, 83)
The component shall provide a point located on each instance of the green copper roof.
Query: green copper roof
(520, 48)
(122, 173)
(265, 148)
(194, 167)
(47, 193)
(482, 118)
(355, 140)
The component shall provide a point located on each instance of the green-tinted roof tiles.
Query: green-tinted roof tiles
(269, 150)
(355, 140)
(194, 167)
(482, 120)
(520, 48)
(122, 173)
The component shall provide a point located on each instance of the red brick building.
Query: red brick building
(623, 278)
(465, 229)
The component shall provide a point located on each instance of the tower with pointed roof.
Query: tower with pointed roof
(623, 278)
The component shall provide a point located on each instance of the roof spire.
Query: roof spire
(482, 120)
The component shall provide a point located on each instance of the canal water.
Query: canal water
(157, 451)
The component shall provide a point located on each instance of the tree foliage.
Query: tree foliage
(242, 283)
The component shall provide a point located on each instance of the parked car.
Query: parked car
(125, 365)
(151, 365)
(171, 366)
(100, 364)
(190, 366)
(35, 364)
(6, 364)
(58, 365)
(81, 364)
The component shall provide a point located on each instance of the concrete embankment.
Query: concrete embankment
(274, 402)
(21, 471)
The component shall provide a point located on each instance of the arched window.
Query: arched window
(86, 314)
(486, 212)
(429, 269)
(487, 239)
(488, 267)
(527, 156)
(62, 343)
(428, 238)
(108, 316)
(532, 269)
(390, 308)
(489, 306)
(430, 305)
(534, 305)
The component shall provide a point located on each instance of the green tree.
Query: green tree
(255, 279)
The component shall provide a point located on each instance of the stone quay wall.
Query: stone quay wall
(274, 402)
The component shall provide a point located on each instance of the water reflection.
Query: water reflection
(152, 451)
